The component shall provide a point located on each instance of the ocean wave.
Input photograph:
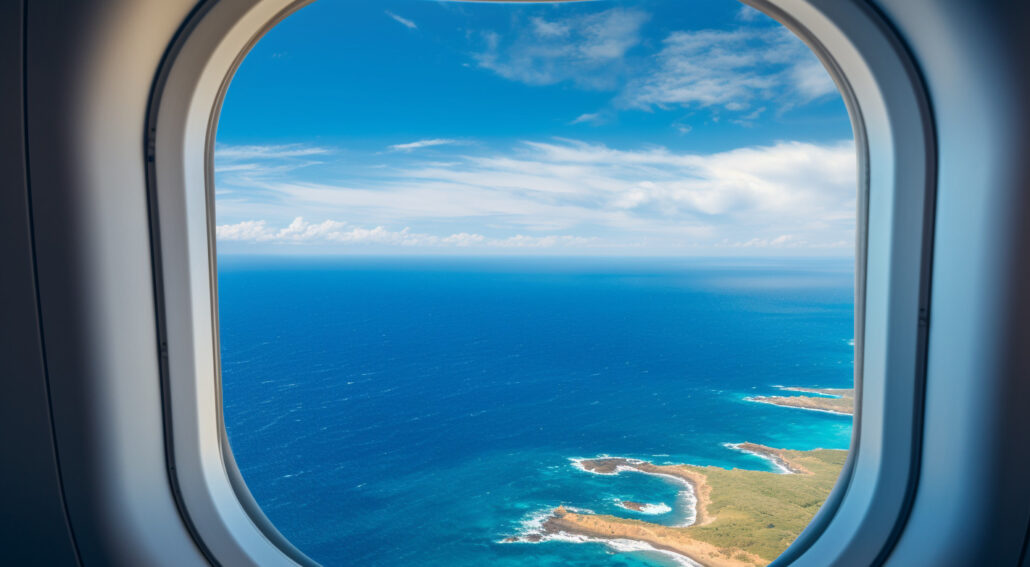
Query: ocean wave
(531, 528)
(631, 545)
(686, 499)
(645, 508)
(577, 462)
(777, 464)
(532, 531)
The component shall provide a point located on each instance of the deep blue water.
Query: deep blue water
(418, 411)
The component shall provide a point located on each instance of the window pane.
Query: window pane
(536, 283)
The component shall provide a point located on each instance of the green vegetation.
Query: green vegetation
(745, 518)
(763, 513)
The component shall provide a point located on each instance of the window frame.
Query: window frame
(895, 143)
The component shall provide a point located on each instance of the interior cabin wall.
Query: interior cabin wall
(91, 67)
(33, 525)
(972, 503)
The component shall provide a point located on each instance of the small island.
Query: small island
(741, 518)
(832, 400)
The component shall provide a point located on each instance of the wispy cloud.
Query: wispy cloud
(255, 161)
(645, 198)
(587, 50)
(335, 232)
(748, 14)
(810, 79)
(783, 241)
(733, 69)
(725, 70)
(411, 146)
(223, 152)
(589, 118)
(402, 21)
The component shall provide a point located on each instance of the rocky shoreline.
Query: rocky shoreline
(736, 511)
(739, 517)
(832, 400)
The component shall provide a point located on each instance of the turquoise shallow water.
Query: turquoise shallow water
(417, 412)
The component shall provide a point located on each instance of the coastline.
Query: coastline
(664, 538)
(695, 482)
(839, 401)
(742, 518)
(775, 456)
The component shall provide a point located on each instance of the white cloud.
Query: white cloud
(402, 21)
(754, 114)
(811, 79)
(682, 127)
(589, 118)
(335, 232)
(645, 197)
(784, 241)
(784, 179)
(464, 239)
(262, 168)
(543, 28)
(421, 144)
(226, 168)
(256, 231)
(298, 230)
(259, 231)
(748, 14)
(261, 161)
(732, 69)
(523, 241)
(223, 152)
(587, 50)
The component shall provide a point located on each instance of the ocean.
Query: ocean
(418, 411)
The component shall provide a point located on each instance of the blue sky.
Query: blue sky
(643, 128)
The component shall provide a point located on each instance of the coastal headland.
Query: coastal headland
(742, 518)
(833, 400)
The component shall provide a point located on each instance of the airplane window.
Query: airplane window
(536, 283)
